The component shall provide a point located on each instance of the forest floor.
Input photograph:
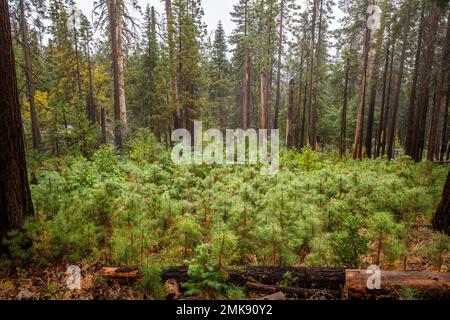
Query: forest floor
(35, 282)
(141, 210)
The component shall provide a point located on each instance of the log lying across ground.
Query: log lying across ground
(433, 285)
(305, 283)
(331, 279)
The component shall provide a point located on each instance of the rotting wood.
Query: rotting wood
(293, 292)
(172, 289)
(278, 296)
(432, 284)
(309, 283)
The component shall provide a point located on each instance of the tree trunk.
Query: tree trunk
(357, 147)
(103, 125)
(420, 116)
(298, 112)
(290, 114)
(90, 100)
(247, 103)
(413, 95)
(264, 111)
(303, 129)
(444, 143)
(178, 121)
(121, 69)
(77, 56)
(383, 104)
(313, 138)
(441, 221)
(397, 92)
(343, 138)
(280, 50)
(36, 135)
(375, 71)
(312, 78)
(113, 15)
(15, 196)
(387, 108)
(442, 79)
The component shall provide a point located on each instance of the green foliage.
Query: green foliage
(53, 289)
(203, 279)
(386, 234)
(324, 212)
(235, 293)
(410, 294)
(288, 280)
(306, 160)
(22, 275)
(438, 252)
(144, 148)
(151, 283)
(106, 161)
(348, 243)
(17, 242)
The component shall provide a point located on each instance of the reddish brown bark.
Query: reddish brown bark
(36, 135)
(420, 115)
(398, 88)
(15, 196)
(441, 221)
(247, 103)
(290, 115)
(264, 109)
(440, 95)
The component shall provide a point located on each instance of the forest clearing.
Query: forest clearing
(353, 96)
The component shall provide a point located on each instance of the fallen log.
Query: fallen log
(125, 273)
(278, 296)
(258, 287)
(314, 278)
(304, 283)
(433, 285)
(293, 292)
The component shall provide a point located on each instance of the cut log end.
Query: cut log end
(172, 289)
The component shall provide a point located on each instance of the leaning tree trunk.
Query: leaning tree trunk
(15, 196)
(441, 221)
